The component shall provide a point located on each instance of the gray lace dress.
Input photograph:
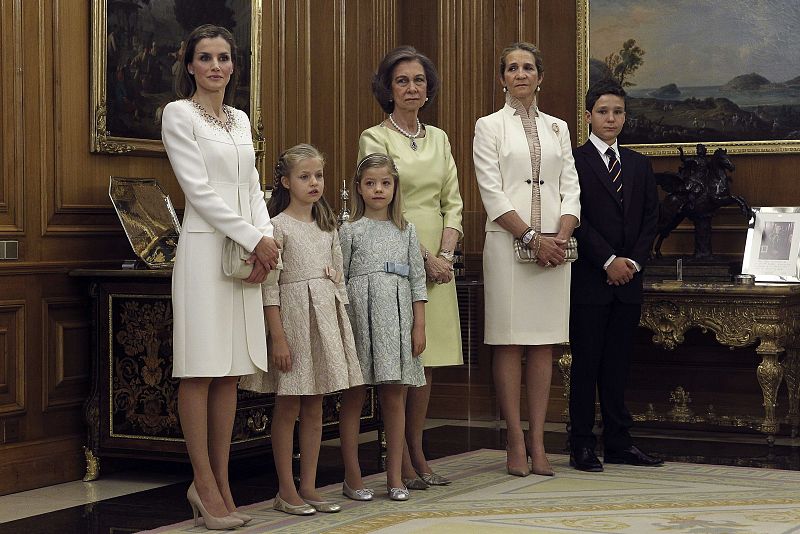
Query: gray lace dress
(381, 301)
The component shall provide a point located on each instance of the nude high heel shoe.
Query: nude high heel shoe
(212, 523)
(516, 471)
(242, 516)
(538, 470)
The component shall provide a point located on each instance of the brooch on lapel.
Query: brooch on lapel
(555, 128)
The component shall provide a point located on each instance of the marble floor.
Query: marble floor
(141, 495)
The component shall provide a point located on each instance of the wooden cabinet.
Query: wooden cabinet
(132, 410)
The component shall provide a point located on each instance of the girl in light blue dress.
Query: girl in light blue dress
(385, 277)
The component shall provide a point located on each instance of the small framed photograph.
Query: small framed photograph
(772, 252)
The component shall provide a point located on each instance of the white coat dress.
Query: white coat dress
(218, 322)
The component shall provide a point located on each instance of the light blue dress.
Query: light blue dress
(381, 302)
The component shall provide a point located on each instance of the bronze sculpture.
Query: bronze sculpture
(700, 187)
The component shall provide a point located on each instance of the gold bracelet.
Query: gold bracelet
(538, 245)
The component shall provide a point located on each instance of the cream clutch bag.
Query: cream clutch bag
(234, 262)
(525, 255)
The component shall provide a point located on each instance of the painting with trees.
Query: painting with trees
(724, 72)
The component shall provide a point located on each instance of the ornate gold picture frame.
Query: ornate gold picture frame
(136, 47)
(696, 71)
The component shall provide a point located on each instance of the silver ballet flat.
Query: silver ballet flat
(357, 495)
(434, 479)
(301, 509)
(327, 507)
(415, 483)
(398, 494)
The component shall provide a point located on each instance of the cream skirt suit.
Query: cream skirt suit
(525, 304)
(218, 322)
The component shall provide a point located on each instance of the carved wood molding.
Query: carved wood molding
(12, 356)
(66, 342)
(12, 206)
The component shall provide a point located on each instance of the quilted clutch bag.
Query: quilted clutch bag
(525, 255)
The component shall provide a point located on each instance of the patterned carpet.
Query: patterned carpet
(675, 498)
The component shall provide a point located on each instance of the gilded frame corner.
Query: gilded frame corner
(660, 149)
(101, 140)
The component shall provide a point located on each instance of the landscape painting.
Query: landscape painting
(722, 72)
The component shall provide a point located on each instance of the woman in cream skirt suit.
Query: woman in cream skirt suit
(529, 186)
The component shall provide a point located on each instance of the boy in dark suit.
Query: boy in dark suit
(619, 212)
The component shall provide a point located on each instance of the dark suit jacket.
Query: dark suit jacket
(609, 227)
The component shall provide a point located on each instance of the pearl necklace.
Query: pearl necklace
(411, 136)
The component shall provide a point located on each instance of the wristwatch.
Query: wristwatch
(446, 254)
(527, 236)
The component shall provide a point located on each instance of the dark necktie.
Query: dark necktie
(614, 172)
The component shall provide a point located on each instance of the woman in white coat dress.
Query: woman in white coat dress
(218, 328)
(529, 186)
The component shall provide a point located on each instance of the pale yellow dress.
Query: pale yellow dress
(431, 200)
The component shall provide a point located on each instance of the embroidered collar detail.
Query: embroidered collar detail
(226, 126)
(519, 107)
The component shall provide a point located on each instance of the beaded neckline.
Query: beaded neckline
(212, 120)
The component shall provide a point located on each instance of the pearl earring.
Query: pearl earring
(505, 89)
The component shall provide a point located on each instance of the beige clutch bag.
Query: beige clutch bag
(234, 258)
(525, 255)
(234, 262)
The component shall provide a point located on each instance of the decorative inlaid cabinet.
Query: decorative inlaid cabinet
(132, 410)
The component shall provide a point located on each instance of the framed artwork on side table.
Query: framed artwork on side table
(720, 72)
(772, 252)
(137, 47)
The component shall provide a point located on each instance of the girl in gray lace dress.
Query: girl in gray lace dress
(385, 278)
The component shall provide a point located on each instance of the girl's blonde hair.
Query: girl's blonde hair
(321, 211)
(379, 161)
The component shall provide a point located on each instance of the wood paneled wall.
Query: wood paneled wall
(318, 57)
(317, 60)
(464, 38)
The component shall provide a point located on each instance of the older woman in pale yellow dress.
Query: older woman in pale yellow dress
(405, 82)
